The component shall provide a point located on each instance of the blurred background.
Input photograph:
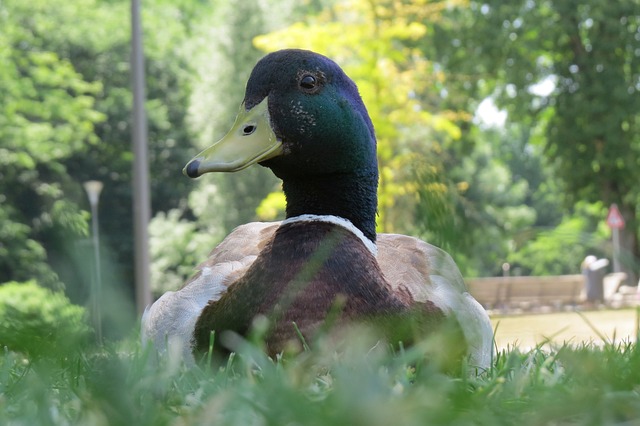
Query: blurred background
(506, 130)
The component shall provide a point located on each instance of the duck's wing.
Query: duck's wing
(170, 321)
(425, 272)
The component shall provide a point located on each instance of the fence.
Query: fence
(530, 293)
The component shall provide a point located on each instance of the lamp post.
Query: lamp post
(93, 188)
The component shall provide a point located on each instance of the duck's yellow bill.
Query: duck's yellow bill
(249, 141)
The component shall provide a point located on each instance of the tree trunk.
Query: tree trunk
(629, 243)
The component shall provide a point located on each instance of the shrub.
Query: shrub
(40, 322)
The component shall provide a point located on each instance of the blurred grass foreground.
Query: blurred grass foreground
(358, 382)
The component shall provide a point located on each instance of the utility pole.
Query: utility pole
(141, 197)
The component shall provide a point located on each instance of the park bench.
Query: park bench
(533, 293)
(527, 293)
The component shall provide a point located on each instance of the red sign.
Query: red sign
(614, 218)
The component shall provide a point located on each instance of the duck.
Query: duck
(304, 119)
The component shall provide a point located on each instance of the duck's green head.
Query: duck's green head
(301, 117)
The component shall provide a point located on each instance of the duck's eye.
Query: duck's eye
(248, 129)
(308, 82)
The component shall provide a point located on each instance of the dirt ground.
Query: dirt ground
(527, 331)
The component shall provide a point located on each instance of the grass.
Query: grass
(359, 383)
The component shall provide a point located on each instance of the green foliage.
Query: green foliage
(48, 116)
(272, 207)
(588, 55)
(493, 206)
(177, 247)
(66, 119)
(560, 250)
(39, 322)
(106, 59)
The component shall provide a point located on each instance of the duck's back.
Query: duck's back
(428, 273)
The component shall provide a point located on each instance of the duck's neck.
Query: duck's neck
(350, 197)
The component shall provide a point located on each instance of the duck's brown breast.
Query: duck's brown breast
(306, 271)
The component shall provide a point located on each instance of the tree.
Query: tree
(87, 35)
(48, 115)
(588, 55)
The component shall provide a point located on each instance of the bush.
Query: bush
(39, 322)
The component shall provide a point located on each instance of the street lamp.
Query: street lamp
(93, 188)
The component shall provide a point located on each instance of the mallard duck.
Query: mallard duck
(303, 118)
